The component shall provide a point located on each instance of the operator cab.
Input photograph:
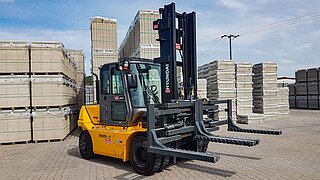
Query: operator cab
(126, 87)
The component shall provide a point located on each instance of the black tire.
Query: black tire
(164, 162)
(85, 145)
(143, 162)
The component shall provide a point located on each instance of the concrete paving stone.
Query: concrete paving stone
(293, 155)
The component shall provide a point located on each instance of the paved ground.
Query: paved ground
(294, 155)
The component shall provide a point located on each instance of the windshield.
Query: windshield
(149, 85)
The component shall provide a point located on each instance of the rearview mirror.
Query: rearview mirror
(132, 80)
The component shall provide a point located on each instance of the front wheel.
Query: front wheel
(85, 145)
(143, 162)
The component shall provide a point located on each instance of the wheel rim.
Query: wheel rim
(140, 155)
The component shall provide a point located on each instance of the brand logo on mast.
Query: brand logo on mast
(167, 90)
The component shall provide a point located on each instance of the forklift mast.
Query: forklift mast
(177, 32)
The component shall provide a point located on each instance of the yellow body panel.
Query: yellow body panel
(111, 141)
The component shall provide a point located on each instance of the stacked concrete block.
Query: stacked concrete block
(313, 88)
(79, 58)
(283, 102)
(244, 88)
(103, 43)
(140, 40)
(53, 90)
(51, 58)
(202, 88)
(253, 118)
(306, 89)
(54, 123)
(292, 95)
(34, 75)
(14, 57)
(14, 91)
(265, 90)
(15, 126)
(221, 84)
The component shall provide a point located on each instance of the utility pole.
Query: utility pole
(230, 36)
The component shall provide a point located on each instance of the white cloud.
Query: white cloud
(235, 5)
(285, 61)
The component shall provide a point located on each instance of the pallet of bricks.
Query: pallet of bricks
(79, 59)
(103, 43)
(140, 40)
(306, 89)
(220, 77)
(244, 98)
(265, 90)
(37, 92)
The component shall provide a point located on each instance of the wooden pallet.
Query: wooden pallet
(13, 143)
(48, 140)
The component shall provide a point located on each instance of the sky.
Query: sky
(292, 45)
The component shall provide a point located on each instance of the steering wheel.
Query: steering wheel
(154, 89)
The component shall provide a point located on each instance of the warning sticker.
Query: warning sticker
(108, 141)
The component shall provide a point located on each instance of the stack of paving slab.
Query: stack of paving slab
(202, 88)
(50, 82)
(140, 40)
(265, 90)
(103, 43)
(220, 77)
(283, 102)
(244, 101)
(244, 88)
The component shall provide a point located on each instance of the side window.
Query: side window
(117, 86)
(118, 111)
(105, 81)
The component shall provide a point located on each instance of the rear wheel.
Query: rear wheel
(143, 162)
(85, 145)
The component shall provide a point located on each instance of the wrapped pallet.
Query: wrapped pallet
(15, 126)
(52, 90)
(78, 56)
(103, 43)
(14, 57)
(34, 75)
(141, 40)
(14, 91)
(53, 123)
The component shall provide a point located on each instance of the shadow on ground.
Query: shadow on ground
(205, 169)
(109, 161)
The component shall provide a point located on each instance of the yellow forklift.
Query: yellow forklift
(141, 118)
